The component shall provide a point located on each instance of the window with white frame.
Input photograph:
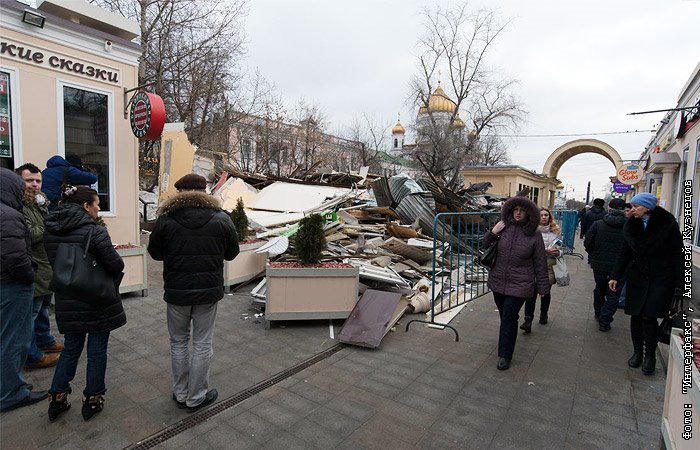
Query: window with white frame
(87, 136)
(696, 194)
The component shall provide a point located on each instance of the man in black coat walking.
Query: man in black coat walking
(192, 237)
(603, 243)
(597, 212)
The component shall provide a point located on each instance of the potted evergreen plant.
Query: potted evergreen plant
(247, 264)
(310, 288)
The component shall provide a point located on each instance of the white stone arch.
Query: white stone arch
(577, 147)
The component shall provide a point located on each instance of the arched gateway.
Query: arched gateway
(573, 148)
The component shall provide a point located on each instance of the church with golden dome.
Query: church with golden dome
(440, 112)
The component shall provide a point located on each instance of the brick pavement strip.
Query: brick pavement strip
(569, 385)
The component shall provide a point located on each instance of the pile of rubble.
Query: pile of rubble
(382, 226)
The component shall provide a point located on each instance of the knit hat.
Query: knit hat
(616, 203)
(191, 182)
(644, 199)
(599, 202)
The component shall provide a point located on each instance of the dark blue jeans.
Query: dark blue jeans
(15, 336)
(96, 362)
(508, 309)
(605, 301)
(41, 337)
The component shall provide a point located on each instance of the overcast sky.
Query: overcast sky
(581, 65)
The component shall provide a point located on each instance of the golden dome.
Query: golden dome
(439, 102)
(458, 123)
(398, 128)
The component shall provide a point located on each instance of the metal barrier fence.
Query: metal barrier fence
(457, 276)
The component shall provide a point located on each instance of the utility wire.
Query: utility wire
(575, 134)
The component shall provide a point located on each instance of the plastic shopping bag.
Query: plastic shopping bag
(561, 273)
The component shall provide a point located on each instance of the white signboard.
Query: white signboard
(630, 174)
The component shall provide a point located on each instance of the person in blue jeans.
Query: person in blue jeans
(78, 318)
(44, 349)
(16, 290)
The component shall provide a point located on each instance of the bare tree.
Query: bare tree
(371, 133)
(457, 41)
(490, 151)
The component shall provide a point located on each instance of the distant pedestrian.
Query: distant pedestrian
(597, 212)
(652, 256)
(59, 172)
(192, 237)
(603, 243)
(582, 212)
(16, 292)
(44, 349)
(552, 245)
(80, 318)
(520, 269)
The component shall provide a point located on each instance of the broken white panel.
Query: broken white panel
(423, 243)
(269, 219)
(378, 273)
(290, 197)
(276, 246)
(260, 291)
(232, 190)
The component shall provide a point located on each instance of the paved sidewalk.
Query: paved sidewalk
(568, 387)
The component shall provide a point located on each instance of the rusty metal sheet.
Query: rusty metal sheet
(370, 318)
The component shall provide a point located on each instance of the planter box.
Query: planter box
(135, 278)
(679, 407)
(299, 293)
(246, 266)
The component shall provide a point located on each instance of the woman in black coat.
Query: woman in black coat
(653, 249)
(79, 318)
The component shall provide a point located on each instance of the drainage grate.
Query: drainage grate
(206, 414)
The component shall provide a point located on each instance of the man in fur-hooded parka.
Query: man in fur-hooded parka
(192, 237)
(655, 258)
(521, 265)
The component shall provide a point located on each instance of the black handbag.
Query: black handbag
(674, 319)
(77, 274)
(488, 259)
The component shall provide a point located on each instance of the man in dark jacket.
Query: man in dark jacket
(603, 243)
(35, 210)
(597, 212)
(16, 292)
(59, 171)
(192, 237)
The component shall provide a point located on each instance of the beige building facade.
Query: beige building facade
(511, 179)
(64, 66)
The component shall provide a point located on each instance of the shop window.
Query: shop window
(86, 135)
(7, 147)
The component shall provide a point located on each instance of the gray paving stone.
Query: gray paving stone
(545, 402)
(296, 403)
(522, 431)
(286, 441)
(587, 433)
(355, 410)
(276, 414)
(311, 392)
(316, 435)
(253, 426)
(334, 421)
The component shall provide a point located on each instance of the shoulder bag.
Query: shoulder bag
(488, 259)
(673, 319)
(76, 273)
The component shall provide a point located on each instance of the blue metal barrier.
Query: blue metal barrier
(567, 221)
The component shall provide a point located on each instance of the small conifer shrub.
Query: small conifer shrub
(310, 240)
(240, 220)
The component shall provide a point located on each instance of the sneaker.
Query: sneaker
(55, 348)
(209, 398)
(48, 360)
(604, 327)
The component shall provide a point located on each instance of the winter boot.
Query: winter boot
(636, 359)
(58, 403)
(527, 325)
(92, 404)
(649, 362)
(543, 318)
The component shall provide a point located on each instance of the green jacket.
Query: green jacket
(34, 216)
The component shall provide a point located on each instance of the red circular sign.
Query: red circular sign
(147, 116)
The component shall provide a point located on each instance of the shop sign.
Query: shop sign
(50, 59)
(630, 174)
(5, 130)
(147, 116)
(621, 187)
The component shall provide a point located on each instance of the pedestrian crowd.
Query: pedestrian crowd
(635, 252)
(48, 214)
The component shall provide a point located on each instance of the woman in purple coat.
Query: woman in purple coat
(520, 270)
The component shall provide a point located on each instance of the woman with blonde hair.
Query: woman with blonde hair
(552, 244)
